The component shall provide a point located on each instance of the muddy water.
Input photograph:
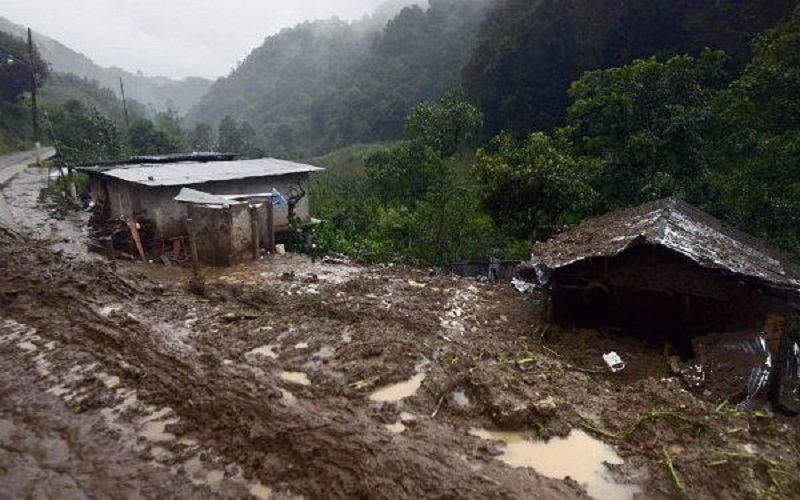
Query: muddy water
(578, 456)
(397, 392)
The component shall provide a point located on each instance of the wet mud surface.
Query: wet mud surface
(324, 380)
(49, 451)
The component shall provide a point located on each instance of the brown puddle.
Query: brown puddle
(579, 456)
(397, 392)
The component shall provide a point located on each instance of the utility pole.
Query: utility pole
(124, 104)
(34, 107)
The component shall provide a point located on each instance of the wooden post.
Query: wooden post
(270, 243)
(254, 230)
(777, 344)
(193, 247)
(137, 239)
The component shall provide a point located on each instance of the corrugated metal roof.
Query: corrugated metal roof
(677, 226)
(193, 172)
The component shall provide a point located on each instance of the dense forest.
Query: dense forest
(528, 52)
(717, 129)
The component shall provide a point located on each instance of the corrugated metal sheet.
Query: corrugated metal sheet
(677, 226)
(193, 196)
(193, 172)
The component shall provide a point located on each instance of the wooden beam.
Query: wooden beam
(137, 239)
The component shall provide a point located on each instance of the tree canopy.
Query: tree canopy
(17, 67)
(528, 52)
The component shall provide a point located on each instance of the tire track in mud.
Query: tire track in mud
(237, 413)
(48, 451)
(136, 426)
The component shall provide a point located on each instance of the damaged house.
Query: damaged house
(233, 207)
(679, 277)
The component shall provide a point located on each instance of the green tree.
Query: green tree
(649, 122)
(201, 137)
(528, 52)
(249, 140)
(535, 188)
(407, 173)
(230, 136)
(16, 67)
(423, 164)
(144, 138)
(84, 134)
(446, 125)
(169, 124)
(759, 140)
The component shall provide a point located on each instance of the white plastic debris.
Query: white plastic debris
(614, 362)
(523, 286)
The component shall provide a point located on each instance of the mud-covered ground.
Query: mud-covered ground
(121, 384)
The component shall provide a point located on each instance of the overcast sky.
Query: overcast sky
(175, 38)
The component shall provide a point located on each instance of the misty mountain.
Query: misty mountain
(159, 93)
(329, 83)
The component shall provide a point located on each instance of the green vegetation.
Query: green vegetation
(685, 126)
(415, 202)
(591, 107)
(16, 72)
(528, 52)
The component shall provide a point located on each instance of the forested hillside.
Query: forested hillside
(16, 71)
(157, 93)
(528, 51)
(330, 83)
(60, 88)
(717, 129)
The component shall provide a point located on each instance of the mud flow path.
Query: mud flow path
(290, 379)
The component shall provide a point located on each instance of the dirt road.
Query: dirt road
(10, 166)
(280, 382)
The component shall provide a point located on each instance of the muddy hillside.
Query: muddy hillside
(286, 378)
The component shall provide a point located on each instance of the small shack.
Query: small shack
(668, 272)
(157, 195)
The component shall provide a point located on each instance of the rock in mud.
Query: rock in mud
(511, 412)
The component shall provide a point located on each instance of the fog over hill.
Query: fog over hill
(159, 93)
(324, 84)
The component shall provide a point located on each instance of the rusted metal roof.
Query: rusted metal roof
(186, 173)
(675, 225)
